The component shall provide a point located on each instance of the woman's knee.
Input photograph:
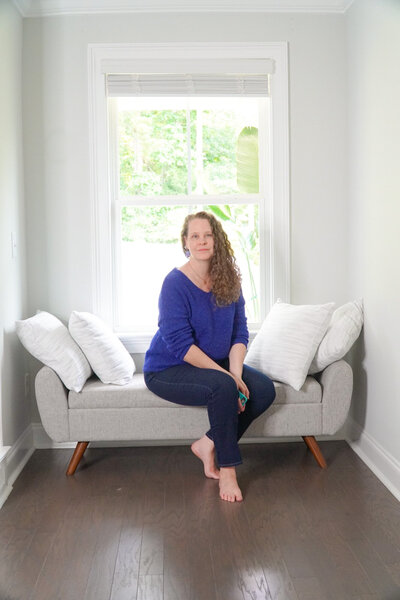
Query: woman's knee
(224, 389)
(262, 389)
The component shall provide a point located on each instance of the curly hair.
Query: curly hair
(224, 272)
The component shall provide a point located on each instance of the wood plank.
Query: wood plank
(126, 573)
(152, 547)
(259, 511)
(177, 559)
(201, 497)
(253, 581)
(309, 588)
(22, 579)
(150, 587)
(66, 569)
(237, 571)
(108, 522)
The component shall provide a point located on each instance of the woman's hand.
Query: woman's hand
(242, 387)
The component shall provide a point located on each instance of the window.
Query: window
(176, 155)
(175, 143)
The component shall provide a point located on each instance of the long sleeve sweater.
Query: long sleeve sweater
(187, 316)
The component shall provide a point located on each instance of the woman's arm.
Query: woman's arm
(236, 359)
(196, 357)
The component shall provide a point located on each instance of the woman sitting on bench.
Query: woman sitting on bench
(196, 357)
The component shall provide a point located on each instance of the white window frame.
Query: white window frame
(114, 58)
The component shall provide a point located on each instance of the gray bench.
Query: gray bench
(102, 412)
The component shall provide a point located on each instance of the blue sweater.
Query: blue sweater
(187, 316)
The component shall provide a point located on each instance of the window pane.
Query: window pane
(152, 152)
(241, 224)
(227, 147)
(173, 146)
(150, 248)
(151, 245)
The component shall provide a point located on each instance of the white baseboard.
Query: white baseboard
(42, 441)
(381, 463)
(13, 461)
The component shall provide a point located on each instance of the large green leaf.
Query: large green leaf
(247, 161)
(217, 210)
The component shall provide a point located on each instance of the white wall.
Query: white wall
(373, 30)
(15, 409)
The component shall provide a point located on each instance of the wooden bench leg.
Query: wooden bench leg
(76, 457)
(315, 449)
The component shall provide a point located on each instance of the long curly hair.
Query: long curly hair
(224, 273)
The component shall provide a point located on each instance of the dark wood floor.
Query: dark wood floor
(143, 523)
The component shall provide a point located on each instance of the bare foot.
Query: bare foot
(228, 485)
(204, 450)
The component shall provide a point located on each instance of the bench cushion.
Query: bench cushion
(135, 394)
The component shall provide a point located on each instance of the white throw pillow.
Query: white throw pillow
(343, 330)
(108, 357)
(48, 340)
(287, 341)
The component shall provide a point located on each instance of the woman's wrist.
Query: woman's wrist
(236, 370)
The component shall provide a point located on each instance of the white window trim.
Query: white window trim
(104, 58)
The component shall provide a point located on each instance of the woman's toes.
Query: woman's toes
(231, 494)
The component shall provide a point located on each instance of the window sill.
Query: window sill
(138, 343)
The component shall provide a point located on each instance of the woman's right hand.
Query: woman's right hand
(242, 387)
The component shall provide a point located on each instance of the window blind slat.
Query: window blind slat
(176, 84)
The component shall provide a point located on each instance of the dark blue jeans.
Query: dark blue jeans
(192, 386)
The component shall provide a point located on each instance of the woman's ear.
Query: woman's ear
(185, 248)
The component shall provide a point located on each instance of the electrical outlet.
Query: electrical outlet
(27, 385)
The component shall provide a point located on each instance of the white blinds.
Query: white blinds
(181, 84)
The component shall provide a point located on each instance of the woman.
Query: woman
(196, 357)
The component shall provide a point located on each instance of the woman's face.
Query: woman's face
(200, 239)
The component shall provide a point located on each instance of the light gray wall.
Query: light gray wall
(373, 30)
(15, 409)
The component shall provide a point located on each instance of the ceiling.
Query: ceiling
(42, 8)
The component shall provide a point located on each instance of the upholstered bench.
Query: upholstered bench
(104, 412)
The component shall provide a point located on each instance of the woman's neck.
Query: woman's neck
(201, 269)
(198, 274)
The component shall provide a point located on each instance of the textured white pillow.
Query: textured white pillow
(108, 357)
(287, 341)
(343, 330)
(48, 340)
